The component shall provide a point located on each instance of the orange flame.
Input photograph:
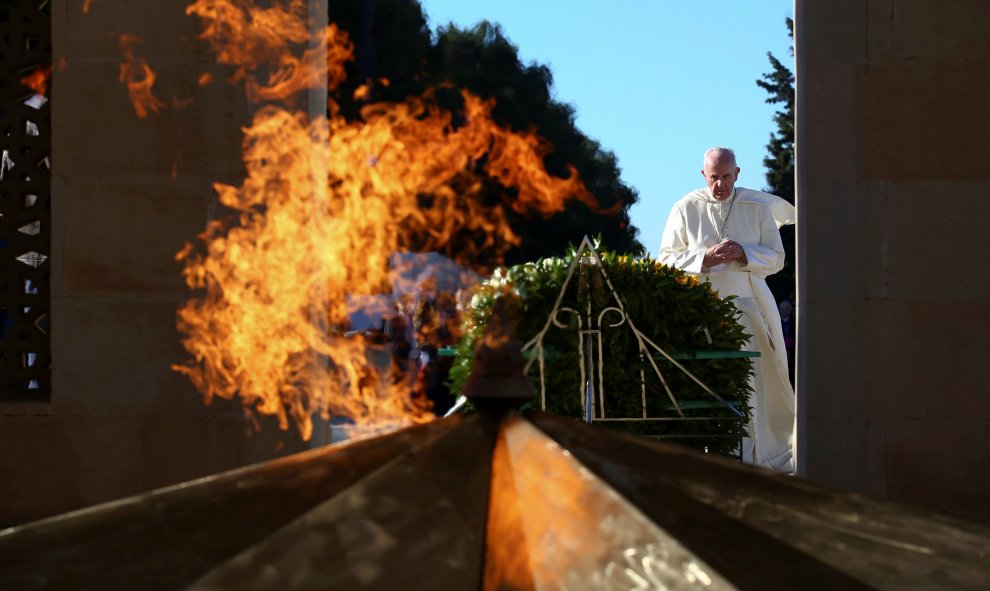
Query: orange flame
(37, 80)
(139, 78)
(86, 4)
(325, 204)
(255, 40)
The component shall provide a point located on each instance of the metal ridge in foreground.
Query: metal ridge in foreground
(493, 501)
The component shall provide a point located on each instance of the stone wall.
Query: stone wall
(893, 198)
(127, 193)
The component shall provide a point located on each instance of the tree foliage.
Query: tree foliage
(398, 57)
(779, 162)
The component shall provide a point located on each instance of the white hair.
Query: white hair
(717, 152)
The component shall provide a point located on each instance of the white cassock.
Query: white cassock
(752, 219)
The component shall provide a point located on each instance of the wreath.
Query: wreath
(671, 309)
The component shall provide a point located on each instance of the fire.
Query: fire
(37, 80)
(252, 39)
(139, 78)
(324, 205)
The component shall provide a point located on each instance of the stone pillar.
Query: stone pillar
(127, 194)
(893, 185)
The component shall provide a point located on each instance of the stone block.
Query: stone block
(923, 231)
(832, 242)
(848, 454)
(197, 131)
(25, 409)
(875, 249)
(57, 262)
(927, 359)
(826, 113)
(915, 29)
(822, 37)
(167, 33)
(943, 465)
(833, 361)
(114, 355)
(55, 464)
(242, 442)
(176, 448)
(126, 232)
(916, 119)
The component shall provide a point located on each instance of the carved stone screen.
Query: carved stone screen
(25, 235)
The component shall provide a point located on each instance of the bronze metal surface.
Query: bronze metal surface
(766, 530)
(497, 500)
(553, 524)
(416, 523)
(167, 538)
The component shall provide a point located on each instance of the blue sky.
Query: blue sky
(657, 82)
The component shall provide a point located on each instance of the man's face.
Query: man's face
(720, 175)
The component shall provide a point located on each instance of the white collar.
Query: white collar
(710, 197)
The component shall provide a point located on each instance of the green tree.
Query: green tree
(482, 60)
(393, 42)
(779, 162)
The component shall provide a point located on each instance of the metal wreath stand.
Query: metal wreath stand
(591, 325)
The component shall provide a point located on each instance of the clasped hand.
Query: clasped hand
(724, 252)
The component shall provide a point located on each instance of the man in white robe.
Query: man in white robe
(730, 236)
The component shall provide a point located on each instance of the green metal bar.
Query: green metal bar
(452, 351)
(712, 355)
